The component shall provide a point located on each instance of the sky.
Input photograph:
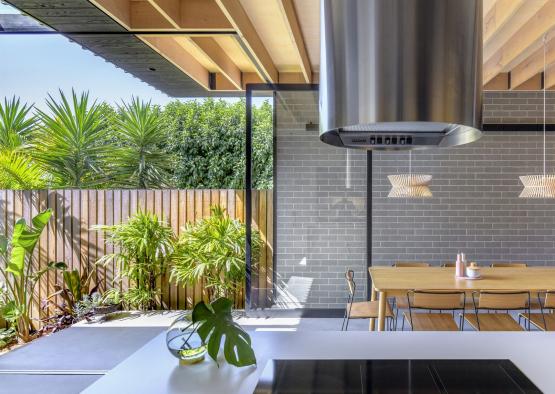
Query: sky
(33, 66)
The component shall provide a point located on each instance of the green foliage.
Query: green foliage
(7, 336)
(19, 171)
(70, 141)
(208, 138)
(75, 286)
(78, 144)
(262, 146)
(215, 322)
(16, 123)
(212, 250)
(18, 276)
(141, 162)
(145, 244)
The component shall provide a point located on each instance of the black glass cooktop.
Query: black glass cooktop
(393, 377)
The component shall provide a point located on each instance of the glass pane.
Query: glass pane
(320, 210)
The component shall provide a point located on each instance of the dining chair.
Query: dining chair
(534, 304)
(400, 301)
(450, 265)
(362, 309)
(545, 320)
(435, 301)
(497, 301)
(509, 265)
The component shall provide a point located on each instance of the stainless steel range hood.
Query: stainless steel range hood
(400, 74)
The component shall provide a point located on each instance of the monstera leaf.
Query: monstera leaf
(215, 322)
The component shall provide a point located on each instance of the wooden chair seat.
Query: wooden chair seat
(534, 303)
(431, 321)
(367, 309)
(537, 320)
(401, 302)
(493, 322)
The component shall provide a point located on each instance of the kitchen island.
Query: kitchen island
(152, 369)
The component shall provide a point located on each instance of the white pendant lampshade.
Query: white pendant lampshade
(542, 185)
(538, 186)
(410, 185)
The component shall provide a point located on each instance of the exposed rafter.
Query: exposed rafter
(249, 38)
(533, 64)
(171, 15)
(498, 16)
(523, 42)
(292, 22)
(168, 47)
(169, 9)
(224, 64)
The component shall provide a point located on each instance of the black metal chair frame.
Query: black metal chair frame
(453, 310)
(476, 308)
(542, 307)
(350, 300)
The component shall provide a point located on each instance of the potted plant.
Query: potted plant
(193, 335)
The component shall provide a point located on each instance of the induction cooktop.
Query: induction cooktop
(393, 377)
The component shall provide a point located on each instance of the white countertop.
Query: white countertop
(152, 369)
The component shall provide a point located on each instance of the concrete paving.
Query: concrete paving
(68, 361)
(45, 384)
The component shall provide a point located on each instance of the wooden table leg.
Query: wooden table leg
(373, 295)
(381, 311)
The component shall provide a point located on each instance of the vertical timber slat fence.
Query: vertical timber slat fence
(68, 236)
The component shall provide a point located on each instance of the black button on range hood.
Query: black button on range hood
(393, 71)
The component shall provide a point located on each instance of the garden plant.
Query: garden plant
(19, 278)
(212, 251)
(145, 244)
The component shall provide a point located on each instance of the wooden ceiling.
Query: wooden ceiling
(224, 44)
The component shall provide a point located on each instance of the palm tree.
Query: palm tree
(71, 141)
(141, 162)
(19, 171)
(15, 124)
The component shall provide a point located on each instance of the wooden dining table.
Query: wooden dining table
(392, 281)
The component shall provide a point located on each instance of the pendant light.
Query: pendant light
(410, 185)
(540, 186)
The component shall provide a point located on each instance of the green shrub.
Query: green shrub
(145, 244)
(212, 251)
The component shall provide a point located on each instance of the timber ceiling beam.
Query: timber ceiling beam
(214, 52)
(289, 14)
(249, 38)
(170, 15)
(524, 41)
(498, 15)
(533, 65)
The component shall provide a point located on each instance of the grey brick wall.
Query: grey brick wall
(475, 207)
(320, 216)
(321, 223)
(518, 107)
